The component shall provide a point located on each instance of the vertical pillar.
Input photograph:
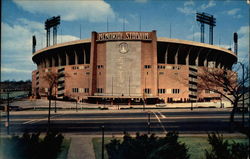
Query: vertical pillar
(54, 35)
(154, 63)
(43, 63)
(206, 58)
(84, 57)
(53, 62)
(205, 62)
(76, 58)
(176, 56)
(197, 58)
(39, 64)
(59, 60)
(67, 58)
(187, 57)
(93, 63)
(46, 62)
(202, 32)
(166, 56)
(48, 37)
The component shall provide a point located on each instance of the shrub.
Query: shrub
(147, 147)
(221, 149)
(33, 147)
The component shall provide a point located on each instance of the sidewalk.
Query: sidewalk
(81, 148)
(43, 104)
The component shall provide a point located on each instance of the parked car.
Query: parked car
(15, 108)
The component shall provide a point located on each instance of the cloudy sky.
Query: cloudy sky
(23, 18)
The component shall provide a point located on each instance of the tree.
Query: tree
(52, 79)
(32, 146)
(224, 82)
(222, 149)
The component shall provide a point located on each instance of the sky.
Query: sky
(21, 19)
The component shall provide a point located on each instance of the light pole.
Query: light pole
(102, 141)
(243, 98)
(191, 108)
(55, 100)
(76, 106)
(7, 124)
(149, 122)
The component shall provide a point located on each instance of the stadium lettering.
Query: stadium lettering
(123, 36)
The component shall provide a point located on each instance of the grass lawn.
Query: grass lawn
(196, 145)
(65, 149)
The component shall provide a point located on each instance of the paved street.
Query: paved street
(118, 121)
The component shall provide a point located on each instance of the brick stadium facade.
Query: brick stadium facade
(128, 66)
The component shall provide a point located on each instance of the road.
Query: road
(118, 121)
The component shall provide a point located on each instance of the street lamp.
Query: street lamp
(7, 124)
(148, 122)
(102, 141)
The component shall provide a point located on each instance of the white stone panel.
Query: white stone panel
(123, 68)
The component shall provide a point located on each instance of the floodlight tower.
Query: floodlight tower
(205, 18)
(33, 44)
(235, 43)
(52, 23)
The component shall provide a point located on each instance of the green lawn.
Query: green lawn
(97, 143)
(65, 149)
(196, 145)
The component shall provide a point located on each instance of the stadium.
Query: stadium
(129, 67)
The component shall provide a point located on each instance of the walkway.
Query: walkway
(81, 148)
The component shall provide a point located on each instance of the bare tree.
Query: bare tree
(226, 83)
(52, 79)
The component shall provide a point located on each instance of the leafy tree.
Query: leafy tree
(147, 147)
(221, 149)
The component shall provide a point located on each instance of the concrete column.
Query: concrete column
(53, 61)
(187, 57)
(39, 64)
(46, 62)
(205, 62)
(84, 57)
(206, 59)
(76, 58)
(43, 63)
(166, 56)
(67, 58)
(59, 60)
(219, 65)
(197, 58)
(176, 56)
